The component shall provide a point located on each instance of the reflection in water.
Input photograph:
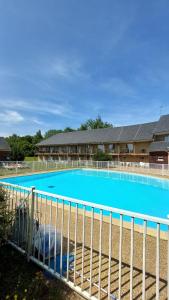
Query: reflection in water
(124, 176)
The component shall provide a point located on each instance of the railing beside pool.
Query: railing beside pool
(15, 167)
(100, 252)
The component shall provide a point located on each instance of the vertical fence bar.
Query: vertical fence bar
(144, 260)
(50, 221)
(30, 230)
(35, 221)
(23, 216)
(19, 215)
(91, 250)
(44, 232)
(120, 253)
(40, 220)
(16, 216)
(12, 202)
(157, 261)
(68, 241)
(56, 234)
(27, 218)
(75, 250)
(61, 250)
(83, 245)
(131, 258)
(110, 254)
(100, 254)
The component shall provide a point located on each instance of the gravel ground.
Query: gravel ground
(84, 256)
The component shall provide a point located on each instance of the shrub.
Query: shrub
(101, 156)
(5, 215)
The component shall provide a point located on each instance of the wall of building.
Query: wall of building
(140, 153)
(134, 158)
(158, 157)
(140, 147)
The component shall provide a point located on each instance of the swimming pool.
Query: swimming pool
(137, 193)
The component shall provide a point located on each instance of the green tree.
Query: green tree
(22, 146)
(37, 137)
(101, 156)
(69, 129)
(51, 132)
(94, 124)
(16, 147)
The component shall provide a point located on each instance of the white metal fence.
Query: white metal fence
(10, 168)
(100, 252)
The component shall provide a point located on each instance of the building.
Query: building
(4, 149)
(148, 142)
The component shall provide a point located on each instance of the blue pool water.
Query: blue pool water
(142, 194)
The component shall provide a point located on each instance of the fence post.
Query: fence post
(31, 222)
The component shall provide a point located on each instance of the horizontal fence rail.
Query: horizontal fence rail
(22, 167)
(100, 252)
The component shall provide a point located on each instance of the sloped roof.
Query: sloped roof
(4, 145)
(146, 131)
(159, 146)
(140, 132)
(162, 125)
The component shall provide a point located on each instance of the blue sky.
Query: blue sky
(62, 62)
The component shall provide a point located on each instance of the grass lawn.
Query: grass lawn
(20, 280)
(31, 158)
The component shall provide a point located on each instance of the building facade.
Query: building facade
(4, 149)
(148, 142)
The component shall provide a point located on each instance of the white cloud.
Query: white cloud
(118, 87)
(65, 67)
(35, 106)
(38, 122)
(11, 117)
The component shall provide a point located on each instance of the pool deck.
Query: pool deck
(138, 261)
(133, 170)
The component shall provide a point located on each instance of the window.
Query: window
(166, 139)
(111, 148)
(130, 148)
(73, 149)
(89, 149)
(100, 148)
(52, 149)
(162, 138)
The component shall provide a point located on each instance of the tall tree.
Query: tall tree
(94, 124)
(37, 137)
(22, 146)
